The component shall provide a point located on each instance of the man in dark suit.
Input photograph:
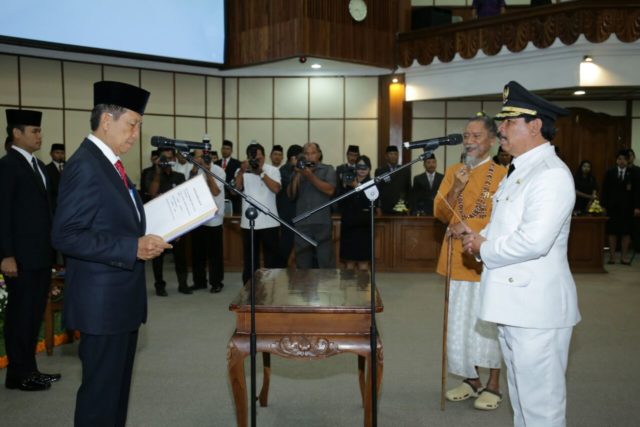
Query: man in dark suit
(100, 227)
(25, 248)
(230, 166)
(398, 188)
(425, 188)
(54, 169)
(618, 197)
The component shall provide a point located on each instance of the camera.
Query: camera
(302, 162)
(254, 163)
(206, 157)
(163, 162)
(348, 175)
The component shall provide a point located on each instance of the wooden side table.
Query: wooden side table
(54, 305)
(304, 314)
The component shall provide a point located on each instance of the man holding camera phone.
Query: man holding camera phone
(312, 185)
(162, 179)
(261, 182)
(207, 240)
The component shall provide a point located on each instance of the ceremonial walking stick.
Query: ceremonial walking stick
(445, 322)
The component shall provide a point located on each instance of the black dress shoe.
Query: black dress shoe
(185, 290)
(50, 378)
(196, 287)
(32, 383)
(161, 293)
(217, 288)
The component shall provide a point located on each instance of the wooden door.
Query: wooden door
(585, 135)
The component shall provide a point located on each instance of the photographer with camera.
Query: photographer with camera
(160, 181)
(206, 240)
(261, 182)
(312, 185)
(355, 222)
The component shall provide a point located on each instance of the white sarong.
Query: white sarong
(471, 342)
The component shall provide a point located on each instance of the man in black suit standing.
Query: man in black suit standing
(230, 166)
(54, 169)
(425, 188)
(25, 248)
(100, 227)
(398, 188)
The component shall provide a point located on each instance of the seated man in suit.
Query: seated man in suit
(425, 188)
(100, 227)
(398, 188)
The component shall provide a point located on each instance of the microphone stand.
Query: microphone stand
(371, 191)
(255, 207)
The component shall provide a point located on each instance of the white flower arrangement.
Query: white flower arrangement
(4, 295)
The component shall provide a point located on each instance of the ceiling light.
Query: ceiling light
(316, 66)
(579, 92)
(394, 80)
(587, 58)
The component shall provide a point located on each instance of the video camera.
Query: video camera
(254, 163)
(302, 162)
(206, 155)
(164, 163)
(348, 175)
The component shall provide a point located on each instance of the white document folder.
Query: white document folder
(181, 209)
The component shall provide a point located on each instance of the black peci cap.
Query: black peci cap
(353, 149)
(57, 147)
(24, 117)
(518, 101)
(391, 149)
(120, 94)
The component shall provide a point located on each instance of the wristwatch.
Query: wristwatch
(262, 175)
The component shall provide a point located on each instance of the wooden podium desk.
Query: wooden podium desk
(304, 314)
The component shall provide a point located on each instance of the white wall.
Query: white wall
(333, 111)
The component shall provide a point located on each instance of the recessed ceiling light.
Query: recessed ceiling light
(316, 66)
(394, 80)
(579, 92)
(587, 58)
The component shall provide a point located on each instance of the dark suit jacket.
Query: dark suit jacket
(54, 178)
(232, 166)
(391, 192)
(423, 194)
(25, 216)
(96, 226)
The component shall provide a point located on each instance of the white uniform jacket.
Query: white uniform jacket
(526, 280)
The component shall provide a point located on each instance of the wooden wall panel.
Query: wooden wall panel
(268, 30)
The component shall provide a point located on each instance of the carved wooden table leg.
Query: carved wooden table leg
(237, 351)
(361, 377)
(379, 368)
(264, 391)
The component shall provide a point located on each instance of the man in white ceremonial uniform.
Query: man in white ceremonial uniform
(526, 285)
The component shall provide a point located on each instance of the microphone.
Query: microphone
(162, 142)
(433, 143)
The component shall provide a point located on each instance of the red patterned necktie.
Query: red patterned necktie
(122, 173)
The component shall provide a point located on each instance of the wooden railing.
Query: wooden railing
(597, 20)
